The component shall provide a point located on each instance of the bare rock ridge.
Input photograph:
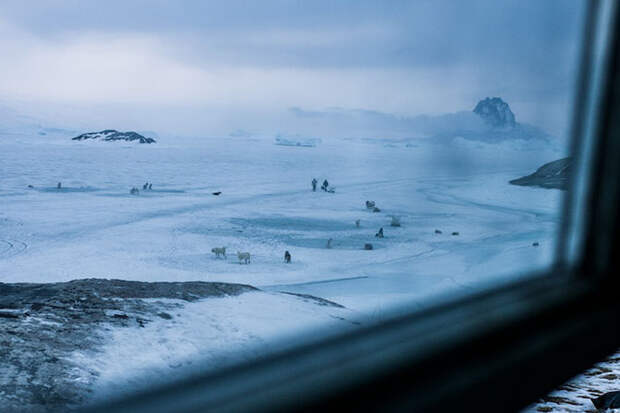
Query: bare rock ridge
(110, 135)
(551, 175)
(495, 112)
(42, 324)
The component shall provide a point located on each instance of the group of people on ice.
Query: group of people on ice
(325, 186)
(146, 187)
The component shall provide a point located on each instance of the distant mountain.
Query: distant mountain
(148, 134)
(114, 135)
(495, 112)
(491, 121)
(551, 175)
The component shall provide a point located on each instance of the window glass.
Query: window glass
(184, 183)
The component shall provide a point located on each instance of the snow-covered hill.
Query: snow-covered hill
(114, 135)
(551, 175)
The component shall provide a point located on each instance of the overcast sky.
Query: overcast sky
(193, 66)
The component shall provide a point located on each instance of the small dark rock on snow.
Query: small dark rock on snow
(438, 231)
(368, 247)
(535, 244)
(455, 233)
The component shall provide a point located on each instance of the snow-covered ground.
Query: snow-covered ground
(93, 227)
(577, 394)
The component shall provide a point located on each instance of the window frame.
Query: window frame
(495, 350)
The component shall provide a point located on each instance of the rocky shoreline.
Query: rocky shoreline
(42, 324)
(552, 175)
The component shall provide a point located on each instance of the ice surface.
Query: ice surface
(93, 227)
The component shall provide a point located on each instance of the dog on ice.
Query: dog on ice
(219, 251)
(243, 257)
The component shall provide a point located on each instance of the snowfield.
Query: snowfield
(93, 228)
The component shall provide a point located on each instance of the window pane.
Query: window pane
(183, 184)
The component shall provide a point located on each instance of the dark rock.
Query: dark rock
(438, 232)
(455, 233)
(36, 371)
(551, 175)
(368, 247)
(609, 400)
(165, 316)
(495, 112)
(535, 244)
(217, 193)
(110, 135)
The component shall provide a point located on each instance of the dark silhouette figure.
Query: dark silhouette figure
(59, 185)
(380, 233)
(314, 182)
(146, 185)
(287, 257)
(325, 185)
(150, 186)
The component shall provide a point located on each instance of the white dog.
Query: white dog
(243, 256)
(219, 251)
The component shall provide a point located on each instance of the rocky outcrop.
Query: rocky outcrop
(110, 135)
(551, 175)
(42, 324)
(495, 112)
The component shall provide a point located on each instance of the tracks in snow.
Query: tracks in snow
(10, 248)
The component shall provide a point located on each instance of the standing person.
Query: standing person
(150, 186)
(325, 185)
(287, 257)
(380, 233)
(314, 182)
(59, 185)
(146, 185)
